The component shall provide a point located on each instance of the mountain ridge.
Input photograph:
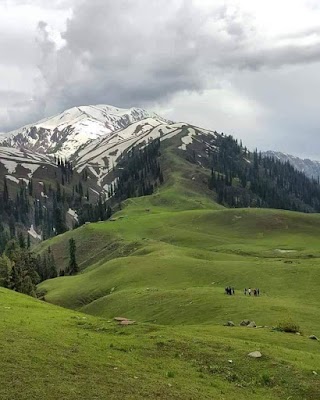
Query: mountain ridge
(309, 167)
(63, 133)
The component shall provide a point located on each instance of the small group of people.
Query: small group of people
(255, 292)
(229, 290)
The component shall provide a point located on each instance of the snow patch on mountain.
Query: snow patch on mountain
(13, 179)
(73, 214)
(34, 234)
(31, 167)
(187, 139)
(9, 165)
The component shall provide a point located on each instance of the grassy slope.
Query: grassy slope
(176, 273)
(49, 352)
(166, 260)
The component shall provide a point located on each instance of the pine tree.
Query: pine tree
(73, 266)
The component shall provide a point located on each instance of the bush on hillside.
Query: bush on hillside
(288, 326)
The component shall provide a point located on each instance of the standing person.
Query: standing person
(245, 291)
(254, 292)
(258, 292)
(249, 291)
(233, 290)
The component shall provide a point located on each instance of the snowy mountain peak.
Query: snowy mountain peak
(93, 138)
(65, 133)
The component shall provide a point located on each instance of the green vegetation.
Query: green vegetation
(164, 261)
(50, 352)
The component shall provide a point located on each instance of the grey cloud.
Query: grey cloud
(52, 4)
(290, 99)
(124, 52)
(135, 53)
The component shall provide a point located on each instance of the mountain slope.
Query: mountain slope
(309, 167)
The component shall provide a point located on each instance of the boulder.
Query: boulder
(229, 323)
(245, 322)
(313, 337)
(255, 354)
(252, 325)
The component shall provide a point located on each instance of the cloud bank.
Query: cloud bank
(250, 70)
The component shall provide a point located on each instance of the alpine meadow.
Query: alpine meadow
(141, 256)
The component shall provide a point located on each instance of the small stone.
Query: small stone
(315, 373)
(245, 322)
(127, 322)
(252, 325)
(298, 333)
(313, 337)
(255, 354)
(230, 361)
(229, 323)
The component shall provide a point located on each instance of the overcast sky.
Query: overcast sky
(245, 67)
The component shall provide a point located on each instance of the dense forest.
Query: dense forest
(244, 179)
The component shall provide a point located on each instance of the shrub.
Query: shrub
(288, 326)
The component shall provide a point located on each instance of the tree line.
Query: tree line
(21, 269)
(247, 179)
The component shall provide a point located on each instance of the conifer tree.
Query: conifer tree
(73, 266)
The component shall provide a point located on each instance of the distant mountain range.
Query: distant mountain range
(309, 167)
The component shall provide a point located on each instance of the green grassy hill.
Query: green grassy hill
(164, 261)
(50, 352)
(167, 260)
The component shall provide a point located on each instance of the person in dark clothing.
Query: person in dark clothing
(233, 290)
(245, 291)
(258, 292)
